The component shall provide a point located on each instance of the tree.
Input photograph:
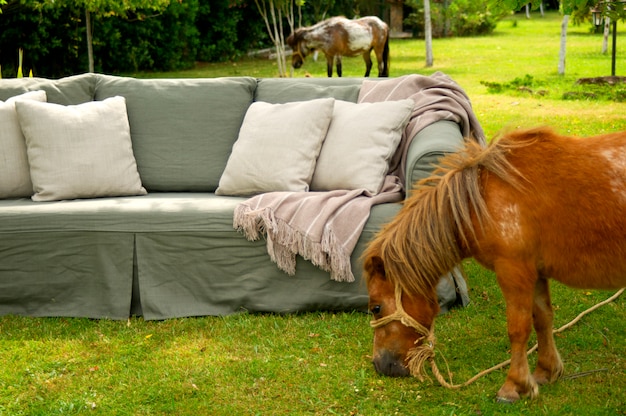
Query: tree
(451, 18)
(396, 12)
(105, 8)
(611, 11)
(569, 8)
(273, 12)
(428, 34)
(563, 47)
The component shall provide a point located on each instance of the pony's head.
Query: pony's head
(405, 261)
(299, 47)
(403, 321)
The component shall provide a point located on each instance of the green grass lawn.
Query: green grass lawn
(319, 363)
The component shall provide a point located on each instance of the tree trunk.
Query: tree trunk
(395, 17)
(280, 53)
(428, 34)
(89, 30)
(273, 23)
(563, 44)
(605, 37)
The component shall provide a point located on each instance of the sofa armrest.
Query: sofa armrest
(429, 145)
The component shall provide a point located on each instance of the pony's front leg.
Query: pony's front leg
(517, 282)
(549, 365)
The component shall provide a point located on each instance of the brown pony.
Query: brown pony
(338, 37)
(531, 206)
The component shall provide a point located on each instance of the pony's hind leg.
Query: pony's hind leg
(368, 62)
(549, 365)
(382, 57)
(338, 61)
(330, 61)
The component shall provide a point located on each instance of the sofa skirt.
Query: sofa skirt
(69, 274)
(159, 256)
(184, 274)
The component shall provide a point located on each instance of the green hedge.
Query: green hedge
(51, 38)
(54, 43)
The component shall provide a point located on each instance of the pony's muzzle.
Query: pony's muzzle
(390, 365)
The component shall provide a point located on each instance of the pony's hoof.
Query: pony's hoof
(505, 400)
(543, 378)
(547, 376)
(510, 393)
(507, 396)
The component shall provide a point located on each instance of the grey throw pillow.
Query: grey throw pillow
(14, 172)
(277, 147)
(360, 143)
(79, 151)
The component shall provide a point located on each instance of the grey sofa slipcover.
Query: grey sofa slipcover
(174, 252)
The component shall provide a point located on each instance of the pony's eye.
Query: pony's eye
(376, 309)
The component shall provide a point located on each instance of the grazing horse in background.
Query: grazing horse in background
(533, 205)
(338, 37)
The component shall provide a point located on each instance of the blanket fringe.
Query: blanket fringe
(284, 242)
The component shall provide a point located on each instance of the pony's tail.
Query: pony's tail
(385, 72)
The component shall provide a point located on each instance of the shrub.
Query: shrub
(228, 28)
(53, 36)
(163, 42)
(454, 18)
(52, 39)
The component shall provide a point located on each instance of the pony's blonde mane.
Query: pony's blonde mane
(423, 242)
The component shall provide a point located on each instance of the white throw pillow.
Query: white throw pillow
(79, 151)
(277, 147)
(14, 172)
(360, 143)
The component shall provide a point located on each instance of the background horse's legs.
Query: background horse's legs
(330, 60)
(381, 59)
(517, 282)
(382, 56)
(549, 365)
(338, 61)
(368, 63)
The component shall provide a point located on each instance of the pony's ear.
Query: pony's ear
(375, 265)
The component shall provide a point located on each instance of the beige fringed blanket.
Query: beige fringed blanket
(324, 227)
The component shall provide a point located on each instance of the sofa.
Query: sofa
(160, 242)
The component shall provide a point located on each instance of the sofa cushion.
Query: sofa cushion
(360, 142)
(72, 90)
(79, 151)
(14, 172)
(284, 90)
(182, 129)
(163, 212)
(277, 147)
